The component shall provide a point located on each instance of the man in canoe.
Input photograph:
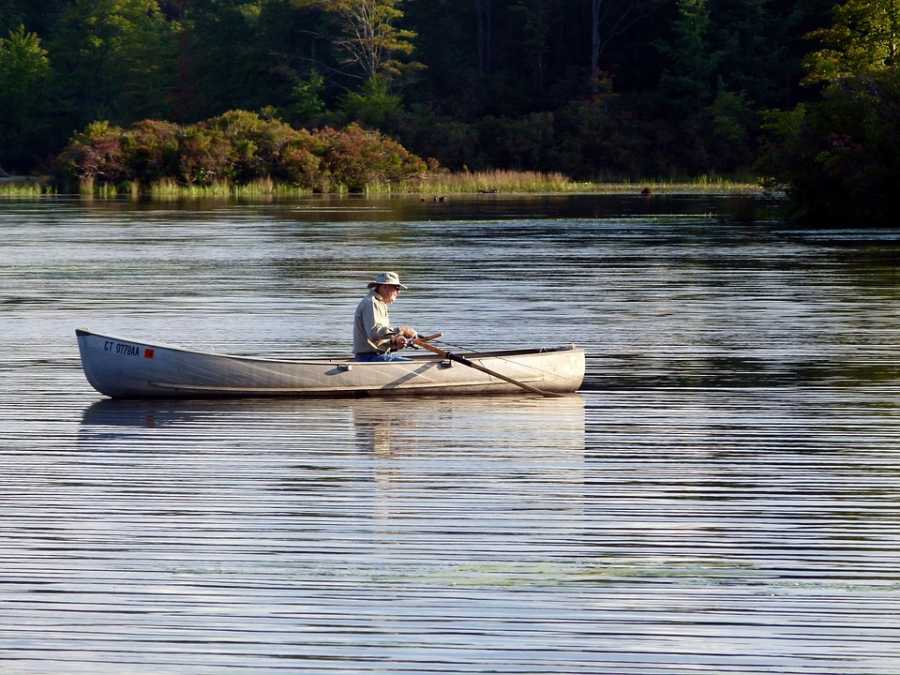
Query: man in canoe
(374, 339)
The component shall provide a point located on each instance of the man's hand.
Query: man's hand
(398, 342)
(408, 332)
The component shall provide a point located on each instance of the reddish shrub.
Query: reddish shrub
(95, 153)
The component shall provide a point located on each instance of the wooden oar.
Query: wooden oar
(429, 338)
(471, 364)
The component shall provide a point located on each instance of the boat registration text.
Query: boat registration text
(123, 349)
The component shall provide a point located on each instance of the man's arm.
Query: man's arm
(377, 328)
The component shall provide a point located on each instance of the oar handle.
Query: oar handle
(421, 341)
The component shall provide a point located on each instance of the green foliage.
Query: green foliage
(733, 123)
(687, 82)
(865, 37)
(374, 105)
(118, 56)
(839, 157)
(24, 79)
(306, 103)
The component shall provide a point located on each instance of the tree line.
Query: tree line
(596, 89)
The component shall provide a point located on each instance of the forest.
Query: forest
(802, 93)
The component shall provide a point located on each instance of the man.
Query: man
(373, 337)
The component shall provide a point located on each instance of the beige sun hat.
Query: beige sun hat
(388, 278)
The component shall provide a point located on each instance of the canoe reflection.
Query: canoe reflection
(383, 426)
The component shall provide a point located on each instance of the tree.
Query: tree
(610, 19)
(24, 78)
(373, 104)
(534, 17)
(864, 37)
(838, 155)
(117, 59)
(223, 60)
(370, 38)
(484, 12)
(686, 85)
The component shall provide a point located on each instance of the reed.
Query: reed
(699, 185)
(524, 182)
(437, 184)
(29, 190)
(168, 189)
(494, 181)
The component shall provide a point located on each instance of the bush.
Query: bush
(150, 150)
(95, 153)
(299, 162)
(204, 156)
(237, 148)
(354, 158)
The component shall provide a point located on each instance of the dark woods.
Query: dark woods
(596, 89)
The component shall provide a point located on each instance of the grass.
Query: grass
(534, 182)
(436, 184)
(27, 189)
(496, 181)
(168, 189)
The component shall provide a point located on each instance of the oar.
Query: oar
(471, 364)
(429, 338)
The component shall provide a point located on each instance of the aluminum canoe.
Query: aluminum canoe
(125, 368)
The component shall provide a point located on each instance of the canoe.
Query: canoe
(125, 368)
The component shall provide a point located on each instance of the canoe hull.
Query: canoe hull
(125, 368)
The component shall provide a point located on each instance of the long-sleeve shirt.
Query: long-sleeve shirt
(371, 325)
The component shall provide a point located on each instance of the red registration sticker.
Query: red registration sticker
(148, 353)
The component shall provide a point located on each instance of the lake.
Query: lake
(723, 496)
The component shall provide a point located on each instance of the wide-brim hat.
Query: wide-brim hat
(388, 279)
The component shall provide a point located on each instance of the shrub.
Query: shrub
(95, 153)
(354, 158)
(299, 162)
(237, 148)
(150, 150)
(204, 156)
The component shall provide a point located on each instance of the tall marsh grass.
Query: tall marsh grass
(168, 190)
(434, 184)
(494, 181)
(524, 182)
(29, 190)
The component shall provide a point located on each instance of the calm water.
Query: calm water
(723, 496)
